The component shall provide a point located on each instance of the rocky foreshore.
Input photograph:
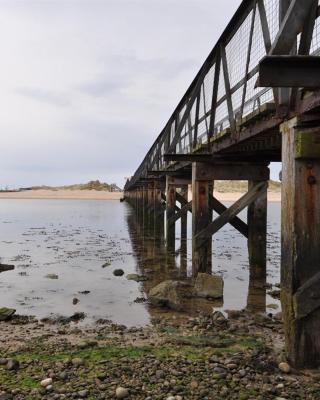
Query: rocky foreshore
(209, 357)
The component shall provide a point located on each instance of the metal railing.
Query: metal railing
(224, 91)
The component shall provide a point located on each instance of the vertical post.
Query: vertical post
(184, 218)
(158, 210)
(300, 244)
(170, 212)
(284, 93)
(201, 217)
(257, 235)
(257, 247)
(184, 229)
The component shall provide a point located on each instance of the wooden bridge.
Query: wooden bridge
(255, 100)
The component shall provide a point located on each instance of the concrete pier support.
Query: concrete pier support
(300, 244)
(170, 212)
(201, 218)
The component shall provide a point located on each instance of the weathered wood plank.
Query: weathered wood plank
(201, 217)
(300, 248)
(170, 212)
(232, 171)
(184, 215)
(257, 234)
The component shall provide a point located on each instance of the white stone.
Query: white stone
(284, 367)
(46, 382)
(121, 392)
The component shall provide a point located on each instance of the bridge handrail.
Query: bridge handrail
(223, 92)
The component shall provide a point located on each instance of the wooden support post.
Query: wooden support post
(201, 218)
(184, 230)
(184, 217)
(300, 244)
(158, 209)
(257, 234)
(170, 211)
(150, 196)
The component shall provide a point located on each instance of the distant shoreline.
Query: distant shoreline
(65, 194)
(62, 194)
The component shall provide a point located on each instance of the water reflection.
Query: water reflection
(155, 262)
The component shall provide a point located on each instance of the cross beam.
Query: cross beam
(230, 213)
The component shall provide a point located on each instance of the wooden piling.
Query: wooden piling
(201, 217)
(170, 211)
(159, 188)
(257, 234)
(300, 244)
(184, 217)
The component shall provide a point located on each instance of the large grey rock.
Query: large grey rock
(208, 286)
(165, 295)
(6, 313)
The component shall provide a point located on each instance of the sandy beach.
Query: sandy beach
(63, 195)
(272, 196)
(103, 195)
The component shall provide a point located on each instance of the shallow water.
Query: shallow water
(74, 238)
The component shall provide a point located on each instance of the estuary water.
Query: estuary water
(65, 252)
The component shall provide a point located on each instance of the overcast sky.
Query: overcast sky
(86, 86)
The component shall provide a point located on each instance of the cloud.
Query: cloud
(43, 95)
(87, 85)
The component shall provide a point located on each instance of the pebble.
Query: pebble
(118, 272)
(284, 367)
(77, 362)
(121, 392)
(46, 382)
(194, 385)
(13, 365)
(83, 393)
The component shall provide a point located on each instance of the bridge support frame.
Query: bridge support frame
(300, 244)
(203, 176)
